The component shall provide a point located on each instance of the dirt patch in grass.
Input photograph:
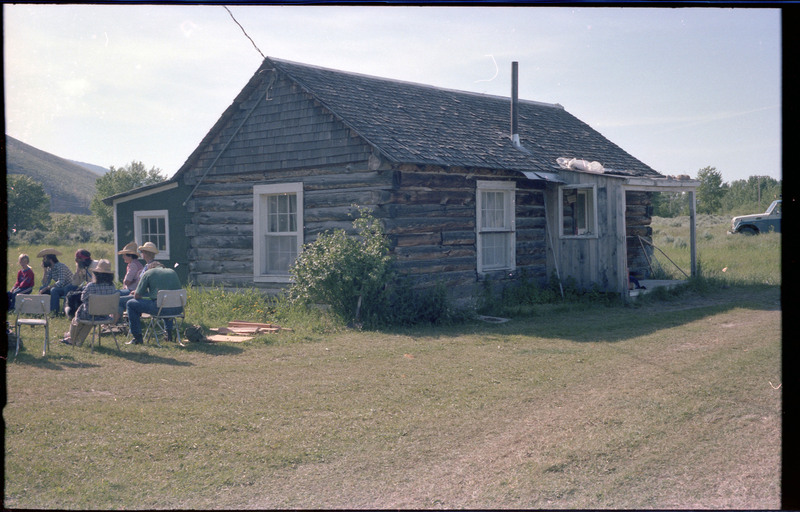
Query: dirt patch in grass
(658, 426)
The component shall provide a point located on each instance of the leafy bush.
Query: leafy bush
(354, 275)
(63, 229)
(348, 273)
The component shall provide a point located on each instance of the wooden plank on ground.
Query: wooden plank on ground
(262, 327)
(217, 338)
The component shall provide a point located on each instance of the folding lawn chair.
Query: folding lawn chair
(105, 307)
(166, 299)
(36, 311)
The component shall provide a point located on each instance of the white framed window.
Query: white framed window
(152, 226)
(277, 230)
(496, 225)
(577, 211)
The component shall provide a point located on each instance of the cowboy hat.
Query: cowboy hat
(45, 252)
(131, 248)
(149, 247)
(102, 267)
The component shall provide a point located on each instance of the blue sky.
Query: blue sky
(679, 88)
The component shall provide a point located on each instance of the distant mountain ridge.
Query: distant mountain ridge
(70, 185)
(97, 169)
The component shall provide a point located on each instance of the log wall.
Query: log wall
(638, 217)
(287, 137)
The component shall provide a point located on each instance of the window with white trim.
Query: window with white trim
(577, 210)
(152, 226)
(277, 230)
(496, 225)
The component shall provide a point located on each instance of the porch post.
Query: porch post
(693, 231)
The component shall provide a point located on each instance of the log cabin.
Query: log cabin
(472, 189)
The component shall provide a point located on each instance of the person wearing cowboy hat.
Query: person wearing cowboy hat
(81, 277)
(57, 272)
(133, 272)
(144, 300)
(133, 268)
(102, 284)
(148, 252)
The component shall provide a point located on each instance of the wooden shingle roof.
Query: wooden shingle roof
(421, 124)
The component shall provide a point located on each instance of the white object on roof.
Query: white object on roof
(580, 165)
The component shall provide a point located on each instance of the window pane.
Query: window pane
(281, 253)
(494, 250)
(282, 213)
(569, 196)
(580, 212)
(492, 210)
(292, 213)
(154, 229)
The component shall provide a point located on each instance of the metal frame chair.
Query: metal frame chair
(102, 305)
(156, 324)
(32, 306)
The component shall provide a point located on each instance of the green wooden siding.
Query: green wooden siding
(172, 201)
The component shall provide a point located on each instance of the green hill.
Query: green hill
(69, 185)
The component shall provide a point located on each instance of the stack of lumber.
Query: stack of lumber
(238, 331)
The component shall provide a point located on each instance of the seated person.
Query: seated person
(58, 273)
(133, 268)
(133, 272)
(81, 277)
(25, 280)
(102, 284)
(144, 299)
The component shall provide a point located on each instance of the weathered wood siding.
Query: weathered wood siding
(431, 220)
(592, 261)
(428, 211)
(288, 138)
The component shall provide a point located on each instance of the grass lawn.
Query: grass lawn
(667, 405)
(672, 402)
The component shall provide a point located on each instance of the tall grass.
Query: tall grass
(211, 307)
(730, 259)
(99, 250)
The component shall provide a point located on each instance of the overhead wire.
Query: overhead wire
(219, 154)
(245, 32)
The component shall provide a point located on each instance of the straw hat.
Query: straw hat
(131, 248)
(102, 267)
(149, 247)
(45, 252)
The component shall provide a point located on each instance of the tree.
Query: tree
(711, 190)
(752, 195)
(670, 204)
(28, 204)
(117, 181)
